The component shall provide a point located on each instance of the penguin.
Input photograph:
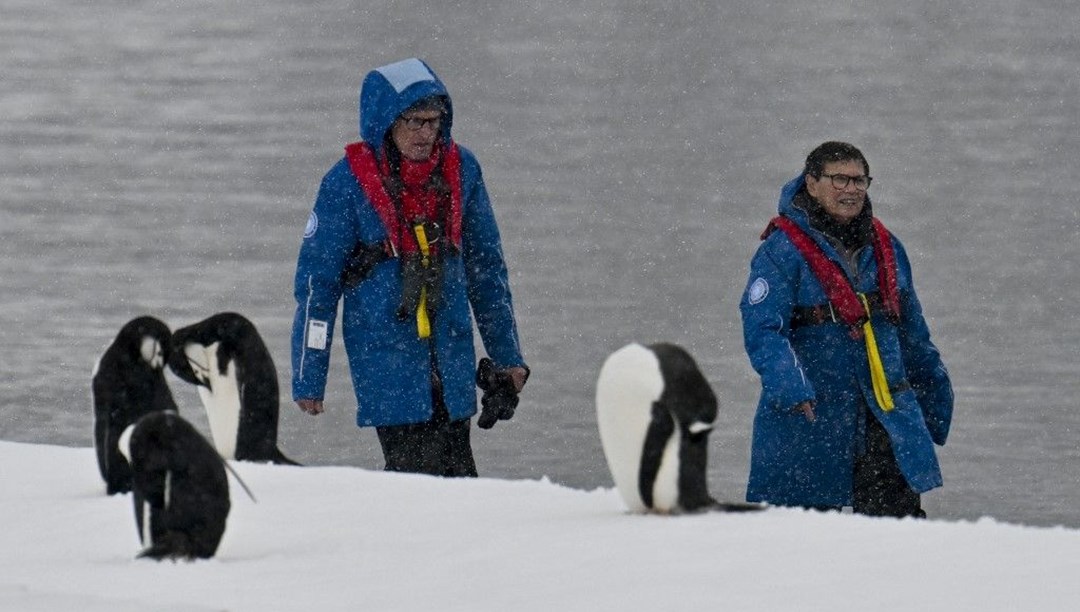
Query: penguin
(228, 361)
(128, 381)
(655, 410)
(180, 489)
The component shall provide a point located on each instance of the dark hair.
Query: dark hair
(433, 102)
(833, 151)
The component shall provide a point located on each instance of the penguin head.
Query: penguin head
(687, 394)
(152, 352)
(216, 338)
(145, 339)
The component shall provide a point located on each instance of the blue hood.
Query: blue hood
(786, 206)
(389, 90)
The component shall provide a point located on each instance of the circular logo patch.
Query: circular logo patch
(312, 225)
(759, 290)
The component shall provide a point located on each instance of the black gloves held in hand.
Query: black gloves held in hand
(361, 261)
(500, 396)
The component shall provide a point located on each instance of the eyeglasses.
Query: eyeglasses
(841, 181)
(415, 124)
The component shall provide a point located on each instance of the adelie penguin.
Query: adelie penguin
(225, 356)
(128, 382)
(180, 488)
(655, 410)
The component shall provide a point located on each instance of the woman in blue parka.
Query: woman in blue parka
(403, 233)
(850, 408)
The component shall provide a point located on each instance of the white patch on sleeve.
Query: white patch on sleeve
(758, 291)
(316, 335)
(312, 225)
(406, 72)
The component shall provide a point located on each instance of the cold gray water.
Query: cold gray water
(162, 158)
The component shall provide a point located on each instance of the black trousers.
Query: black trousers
(439, 447)
(880, 487)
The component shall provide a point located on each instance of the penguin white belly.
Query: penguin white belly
(666, 485)
(220, 396)
(629, 383)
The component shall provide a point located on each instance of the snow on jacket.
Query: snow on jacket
(797, 462)
(390, 365)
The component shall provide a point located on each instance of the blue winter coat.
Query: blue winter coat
(390, 365)
(801, 463)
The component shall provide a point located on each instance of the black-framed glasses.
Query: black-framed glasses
(415, 124)
(841, 181)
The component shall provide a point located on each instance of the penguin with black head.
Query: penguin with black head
(180, 488)
(128, 382)
(225, 356)
(655, 410)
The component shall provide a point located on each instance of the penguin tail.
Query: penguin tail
(279, 458)
(736, 507)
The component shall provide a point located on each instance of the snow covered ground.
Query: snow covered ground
(345, 538)
(162, 157)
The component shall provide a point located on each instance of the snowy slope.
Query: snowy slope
(343, 538)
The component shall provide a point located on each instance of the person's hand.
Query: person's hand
(518, 374)
(500, 389)
(310, 406)
(807, 408)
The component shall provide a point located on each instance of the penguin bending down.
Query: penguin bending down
(655, 410)
(179, 485)
(128, 382)
(228, 361)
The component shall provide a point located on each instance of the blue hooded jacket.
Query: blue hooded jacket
(390, 365)
(800, 463)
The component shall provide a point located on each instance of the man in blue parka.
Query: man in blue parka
(854, 393)
(404, 234)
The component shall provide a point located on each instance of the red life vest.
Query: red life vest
(369, 173)
(834, 281)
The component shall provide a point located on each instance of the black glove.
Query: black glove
(363, 258)
(500, 396)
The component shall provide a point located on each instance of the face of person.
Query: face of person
(414, 133)
(842, 204)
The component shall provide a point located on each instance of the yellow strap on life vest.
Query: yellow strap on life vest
(877, 370)
(423, 323)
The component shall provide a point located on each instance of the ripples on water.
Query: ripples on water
(163, 160)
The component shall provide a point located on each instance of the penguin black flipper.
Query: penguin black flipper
(108, 415)
(661, 428)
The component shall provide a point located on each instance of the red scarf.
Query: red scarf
(835, 282)
(416, 201)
